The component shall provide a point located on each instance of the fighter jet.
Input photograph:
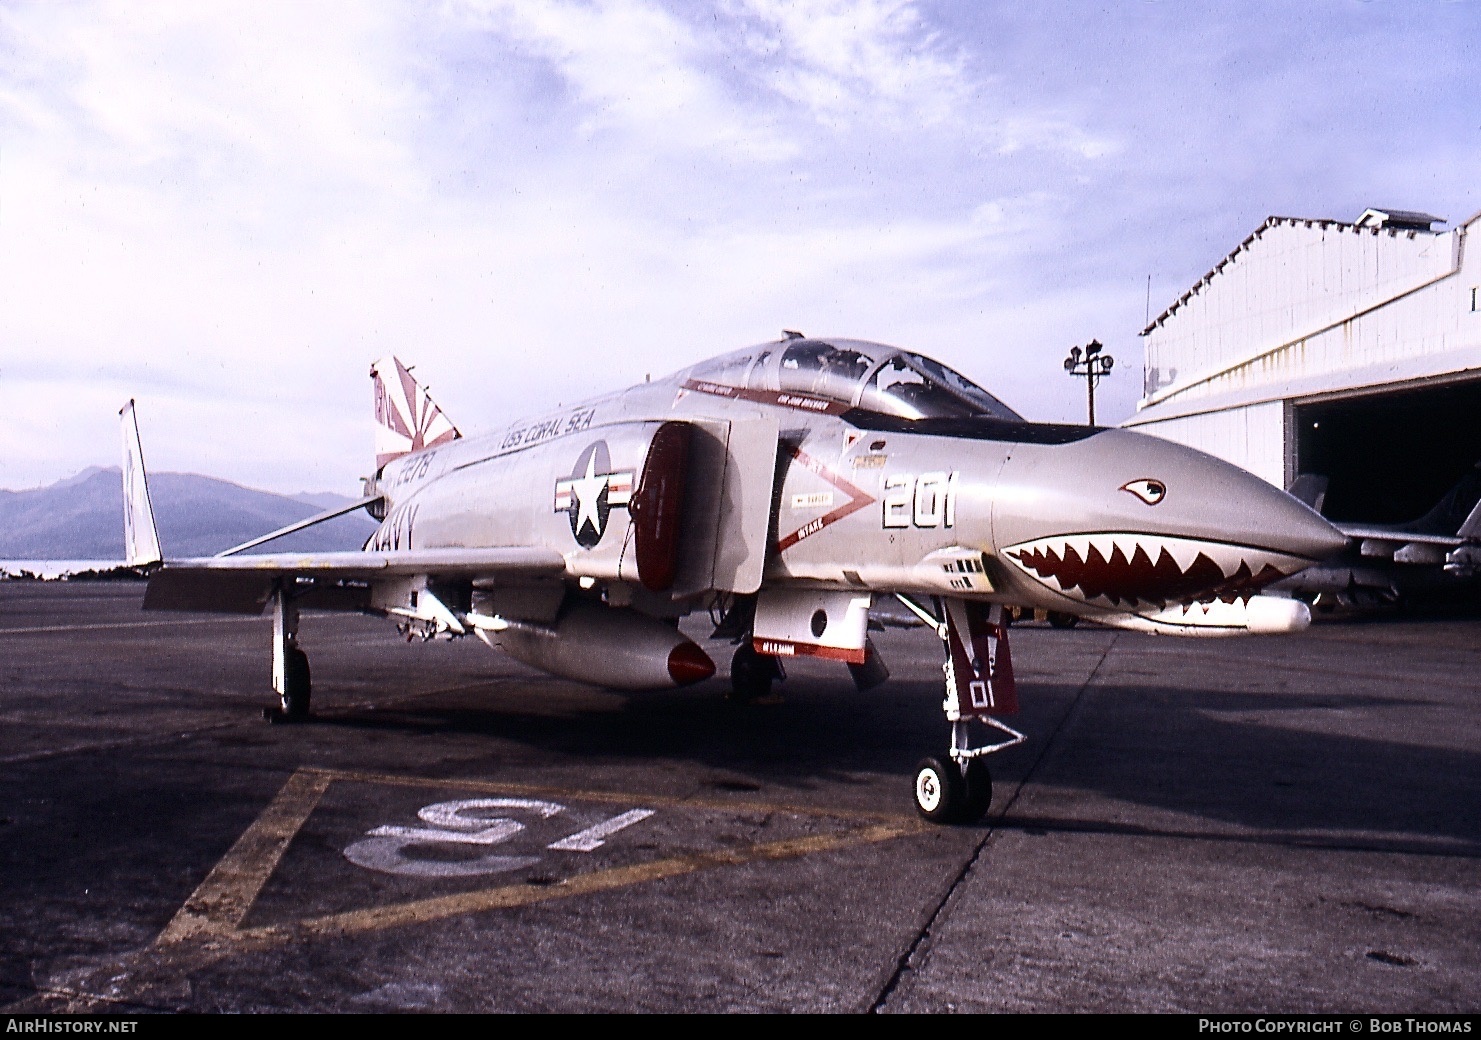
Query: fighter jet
(783, 488)
(1385, 564)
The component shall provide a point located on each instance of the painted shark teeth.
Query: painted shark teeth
(1136, 570)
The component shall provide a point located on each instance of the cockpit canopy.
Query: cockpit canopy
(856, 374)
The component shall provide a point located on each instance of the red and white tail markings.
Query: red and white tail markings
(406, 417)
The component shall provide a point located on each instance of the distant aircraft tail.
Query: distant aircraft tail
(140, 539)
(1310, 489)
(406, 418)
(1458, 512)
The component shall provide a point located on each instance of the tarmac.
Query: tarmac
(1288, 824)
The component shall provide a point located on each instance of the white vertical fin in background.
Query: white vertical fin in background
(406, 418)
(140, 540)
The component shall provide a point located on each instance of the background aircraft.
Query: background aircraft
(1385, 564)
(782, 486)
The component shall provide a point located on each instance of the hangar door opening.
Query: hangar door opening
(1390, 456)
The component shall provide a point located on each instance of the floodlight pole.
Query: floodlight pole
(1091, 364)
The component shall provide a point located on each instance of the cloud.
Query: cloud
(634, 68)
(200, 94)
(848, 62)
(228, 210)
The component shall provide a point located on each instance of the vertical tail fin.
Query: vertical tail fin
(140, 539)
(1458, 512)
(406, 418)
(1310, 489)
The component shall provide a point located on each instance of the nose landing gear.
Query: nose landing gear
(956, 787)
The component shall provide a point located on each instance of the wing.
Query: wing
(1389, 534)
(332, 580)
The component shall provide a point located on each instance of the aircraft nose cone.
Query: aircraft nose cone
(1295, 527)
(1135, 481)
(1121, 518)
(1222, 502)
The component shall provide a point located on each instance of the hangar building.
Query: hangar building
(1349, 350)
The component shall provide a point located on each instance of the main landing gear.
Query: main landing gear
(291, 678)
(956, 786)
(751, 675)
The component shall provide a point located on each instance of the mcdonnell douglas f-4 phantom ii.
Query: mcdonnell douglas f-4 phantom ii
(786, 486)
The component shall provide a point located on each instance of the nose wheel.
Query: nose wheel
(946, 792)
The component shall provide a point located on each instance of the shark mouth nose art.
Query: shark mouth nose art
(1155, 571)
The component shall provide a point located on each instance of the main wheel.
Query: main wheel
(1058, 619)
(297, 686)
(977, 796)
(939, 789)
(751, 675)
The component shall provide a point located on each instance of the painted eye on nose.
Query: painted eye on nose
(1148, 490)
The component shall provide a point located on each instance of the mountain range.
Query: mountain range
(81, 518)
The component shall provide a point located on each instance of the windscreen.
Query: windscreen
(863, 375)
(915, 387)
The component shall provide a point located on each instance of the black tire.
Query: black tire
(938, 789)
(1061, 620)
(751, 675)
(297, 686)
(977, 797)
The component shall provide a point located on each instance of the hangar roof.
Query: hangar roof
(1410, 222)
(1310, 306)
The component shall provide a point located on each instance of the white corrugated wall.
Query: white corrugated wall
(1251, 437)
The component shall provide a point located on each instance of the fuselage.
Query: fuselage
(891, 474)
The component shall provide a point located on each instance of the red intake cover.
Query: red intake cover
(657, 504)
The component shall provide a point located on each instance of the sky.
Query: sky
(227, 211)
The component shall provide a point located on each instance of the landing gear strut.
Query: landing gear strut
(291, 677)
(956, 787)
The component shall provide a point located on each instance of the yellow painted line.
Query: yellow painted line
(506, 897)
(222, 900)
(101, 627)
(645, 798)
(206, 929)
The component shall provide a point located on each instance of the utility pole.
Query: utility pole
(1091, 364)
